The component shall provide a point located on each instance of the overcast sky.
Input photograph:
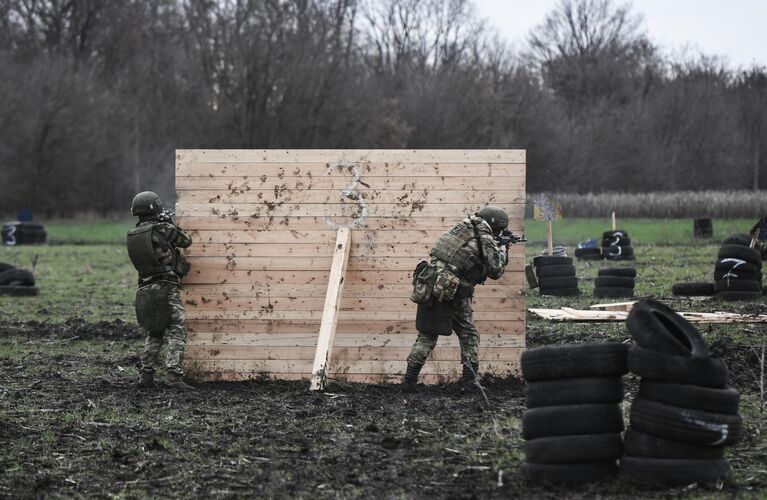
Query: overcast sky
(735, 29)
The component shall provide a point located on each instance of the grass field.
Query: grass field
(74, 424)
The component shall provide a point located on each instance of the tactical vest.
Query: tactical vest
(142, 254)
(452, 248)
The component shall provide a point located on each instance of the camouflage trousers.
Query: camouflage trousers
(463, 326)
(175, 334)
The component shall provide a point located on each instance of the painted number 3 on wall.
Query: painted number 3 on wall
(350, 193)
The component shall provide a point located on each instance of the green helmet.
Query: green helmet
(146, 203)
(494, 216)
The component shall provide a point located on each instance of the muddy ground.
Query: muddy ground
(72, 423)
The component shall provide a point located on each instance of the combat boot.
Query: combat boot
(147, 380)
(411, 377)
(469, 383)
(176, 381)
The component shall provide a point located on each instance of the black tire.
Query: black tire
(737, 265)
(674, 471)
(5, 267)
(17, 277)
(19, 291)
(693, 289)
(740, 252)
(616, 233)
(616, 242)
(614, 281)
(639, 444)
(588, 253)
(734, 296)
(560, 292)
(737, 285)
(685, 424)
(736, 274)
(532, 280)
(613, 292)
(725, 400)
(546, 260)
(738, 239)
(555, 271)
(656, 326)
(567, 420)
(607, 359)
(585, 472)
(573, 391)
(630, 272)
(557, 282)
(662, 367)
(574, 449)
(618, 253)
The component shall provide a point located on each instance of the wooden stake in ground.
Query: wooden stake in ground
(613, 217)
(330, 312)
(551, 237)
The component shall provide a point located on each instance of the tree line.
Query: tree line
(97, 94)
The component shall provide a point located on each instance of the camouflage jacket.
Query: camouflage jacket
(177, 238)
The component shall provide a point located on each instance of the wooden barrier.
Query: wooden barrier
(264, 225)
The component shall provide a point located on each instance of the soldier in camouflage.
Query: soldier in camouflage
(472, 253)
(153, 249)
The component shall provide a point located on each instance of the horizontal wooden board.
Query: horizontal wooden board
(245, 331)
(341, 353)
(345, 213)
(357, 378)
(260, 278)
(346, 304)
(260, 196)
(356, 155)
(281, 227)
(343, 339)
(255, 366)
(197, 292)
(351, 169)
(340, 183)
(269, 314)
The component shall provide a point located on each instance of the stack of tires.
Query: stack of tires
(615, 282)
(616, 245)
(23, 233)
(16, 282)
(684, 414)
(556, 275)
(738, 273)
(574, 419)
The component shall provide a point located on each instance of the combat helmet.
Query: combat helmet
(496, 217)
(146, 203)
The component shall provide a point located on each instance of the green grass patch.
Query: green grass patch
(569, 232)
(93, 282)
(100, 232)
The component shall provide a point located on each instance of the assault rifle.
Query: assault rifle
(507, 238)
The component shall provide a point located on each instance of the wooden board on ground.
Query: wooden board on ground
(264, 223)
(582, 315)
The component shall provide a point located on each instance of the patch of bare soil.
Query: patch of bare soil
(73, 423)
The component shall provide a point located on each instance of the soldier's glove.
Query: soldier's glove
(166, 216)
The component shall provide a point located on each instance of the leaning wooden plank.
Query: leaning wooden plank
(617, 306)
(331, 310)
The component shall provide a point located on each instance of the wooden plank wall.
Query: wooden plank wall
(264, 224)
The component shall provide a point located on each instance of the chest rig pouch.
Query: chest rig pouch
(141, 252)
(460, 260)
